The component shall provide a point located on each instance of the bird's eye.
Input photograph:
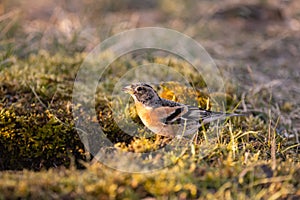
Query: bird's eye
(139, 89)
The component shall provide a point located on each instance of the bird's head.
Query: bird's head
(143, 93)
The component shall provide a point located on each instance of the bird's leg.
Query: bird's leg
(193, 143)
(184, 129)
(195, 138)
(162, 140)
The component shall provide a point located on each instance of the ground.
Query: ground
(255, 47)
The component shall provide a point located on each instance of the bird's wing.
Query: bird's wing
(171, 115)
(205, 116)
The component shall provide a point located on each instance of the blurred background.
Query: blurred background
(255, 45)
(80, 25)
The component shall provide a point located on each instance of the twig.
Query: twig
(9, 14)
(38, 98)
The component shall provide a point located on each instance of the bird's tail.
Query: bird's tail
(221, 116)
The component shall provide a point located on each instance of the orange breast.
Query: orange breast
(151, 118)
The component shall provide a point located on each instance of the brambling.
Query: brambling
(169, 118)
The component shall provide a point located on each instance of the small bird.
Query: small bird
(169, 118)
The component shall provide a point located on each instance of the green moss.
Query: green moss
(36, 123)
(186, 179)
(36, 140)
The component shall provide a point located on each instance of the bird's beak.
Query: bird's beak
(127, 89)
